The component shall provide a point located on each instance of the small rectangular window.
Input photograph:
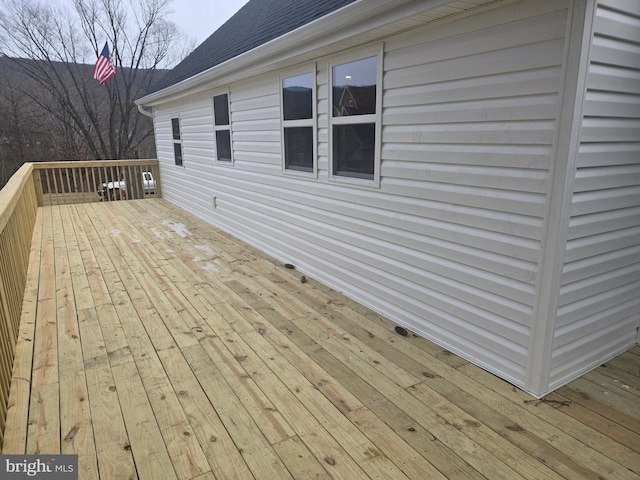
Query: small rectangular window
(175, 127)
(223, 145)
(355, 118)
(354, 88)
(298, 122)
(177, 153)
(354, 150)
(221, 109)
(222, 127)
(297, 97)
(298, 148)
(177, 141)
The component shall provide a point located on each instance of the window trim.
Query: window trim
(375, 118)
(177, 141)
(218, 128)
(307, 122)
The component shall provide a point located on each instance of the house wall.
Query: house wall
(449, 243)
(599, 304)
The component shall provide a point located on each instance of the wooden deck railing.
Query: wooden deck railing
(51, 183)
(93, 181)
(18, 207)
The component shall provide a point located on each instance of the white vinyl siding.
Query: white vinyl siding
(468, 132)
(599, 304)
(450, 242)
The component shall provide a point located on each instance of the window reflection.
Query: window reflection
(298, 144)
(353, 150)
(297, 116)
(175, 128)
(177, 152)
(222, 127)
(221, 109)
(297, 97)
(223, 145)
(354, 88)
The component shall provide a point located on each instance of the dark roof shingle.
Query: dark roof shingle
(255, 24)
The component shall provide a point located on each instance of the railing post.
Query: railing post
(37, 183)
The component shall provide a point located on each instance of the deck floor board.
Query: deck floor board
(155, 346)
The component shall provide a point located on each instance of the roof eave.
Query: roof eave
(359, 17)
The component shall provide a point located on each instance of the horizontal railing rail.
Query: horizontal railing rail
(18, 210)
(93, 181)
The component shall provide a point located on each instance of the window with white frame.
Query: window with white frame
(298, 122)
(177, 141)
(355, 118)
(222, 128)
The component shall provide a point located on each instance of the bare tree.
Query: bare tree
(55, 48)
(25, 129)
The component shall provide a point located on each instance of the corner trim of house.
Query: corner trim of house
(558, 209)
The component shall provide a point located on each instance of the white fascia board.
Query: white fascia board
(351, 20)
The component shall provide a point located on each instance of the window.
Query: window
(222, 127)
(355, 99)
(298, 122)
(177, 141)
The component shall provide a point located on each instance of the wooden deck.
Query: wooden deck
(156, 347)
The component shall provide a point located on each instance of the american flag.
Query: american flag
(104, 68)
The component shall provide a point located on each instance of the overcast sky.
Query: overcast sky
(200, 18)
(197, 18)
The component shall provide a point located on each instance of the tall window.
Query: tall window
(354, 118)
(177, 141)
(298, 122)
(222, 127)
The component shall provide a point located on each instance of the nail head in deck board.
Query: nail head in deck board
(603, 395)
(45, 360)
(482, 434)
(300, 461)
(110, 431)
(183, 447)
(351, 439)
(217, 444)
(585, 451)
(622, 378)
(617, 416)
(75, 415)
(628, 361)
(76, 424)
(43, 434)
(420, 439)
(626, 453)
(263, 412)
(255, 449)
(393, 446)
(147, 446)
(309, 429)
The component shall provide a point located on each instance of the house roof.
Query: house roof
(255, 24)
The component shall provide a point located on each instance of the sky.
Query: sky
(200, 18)
(197, 18)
